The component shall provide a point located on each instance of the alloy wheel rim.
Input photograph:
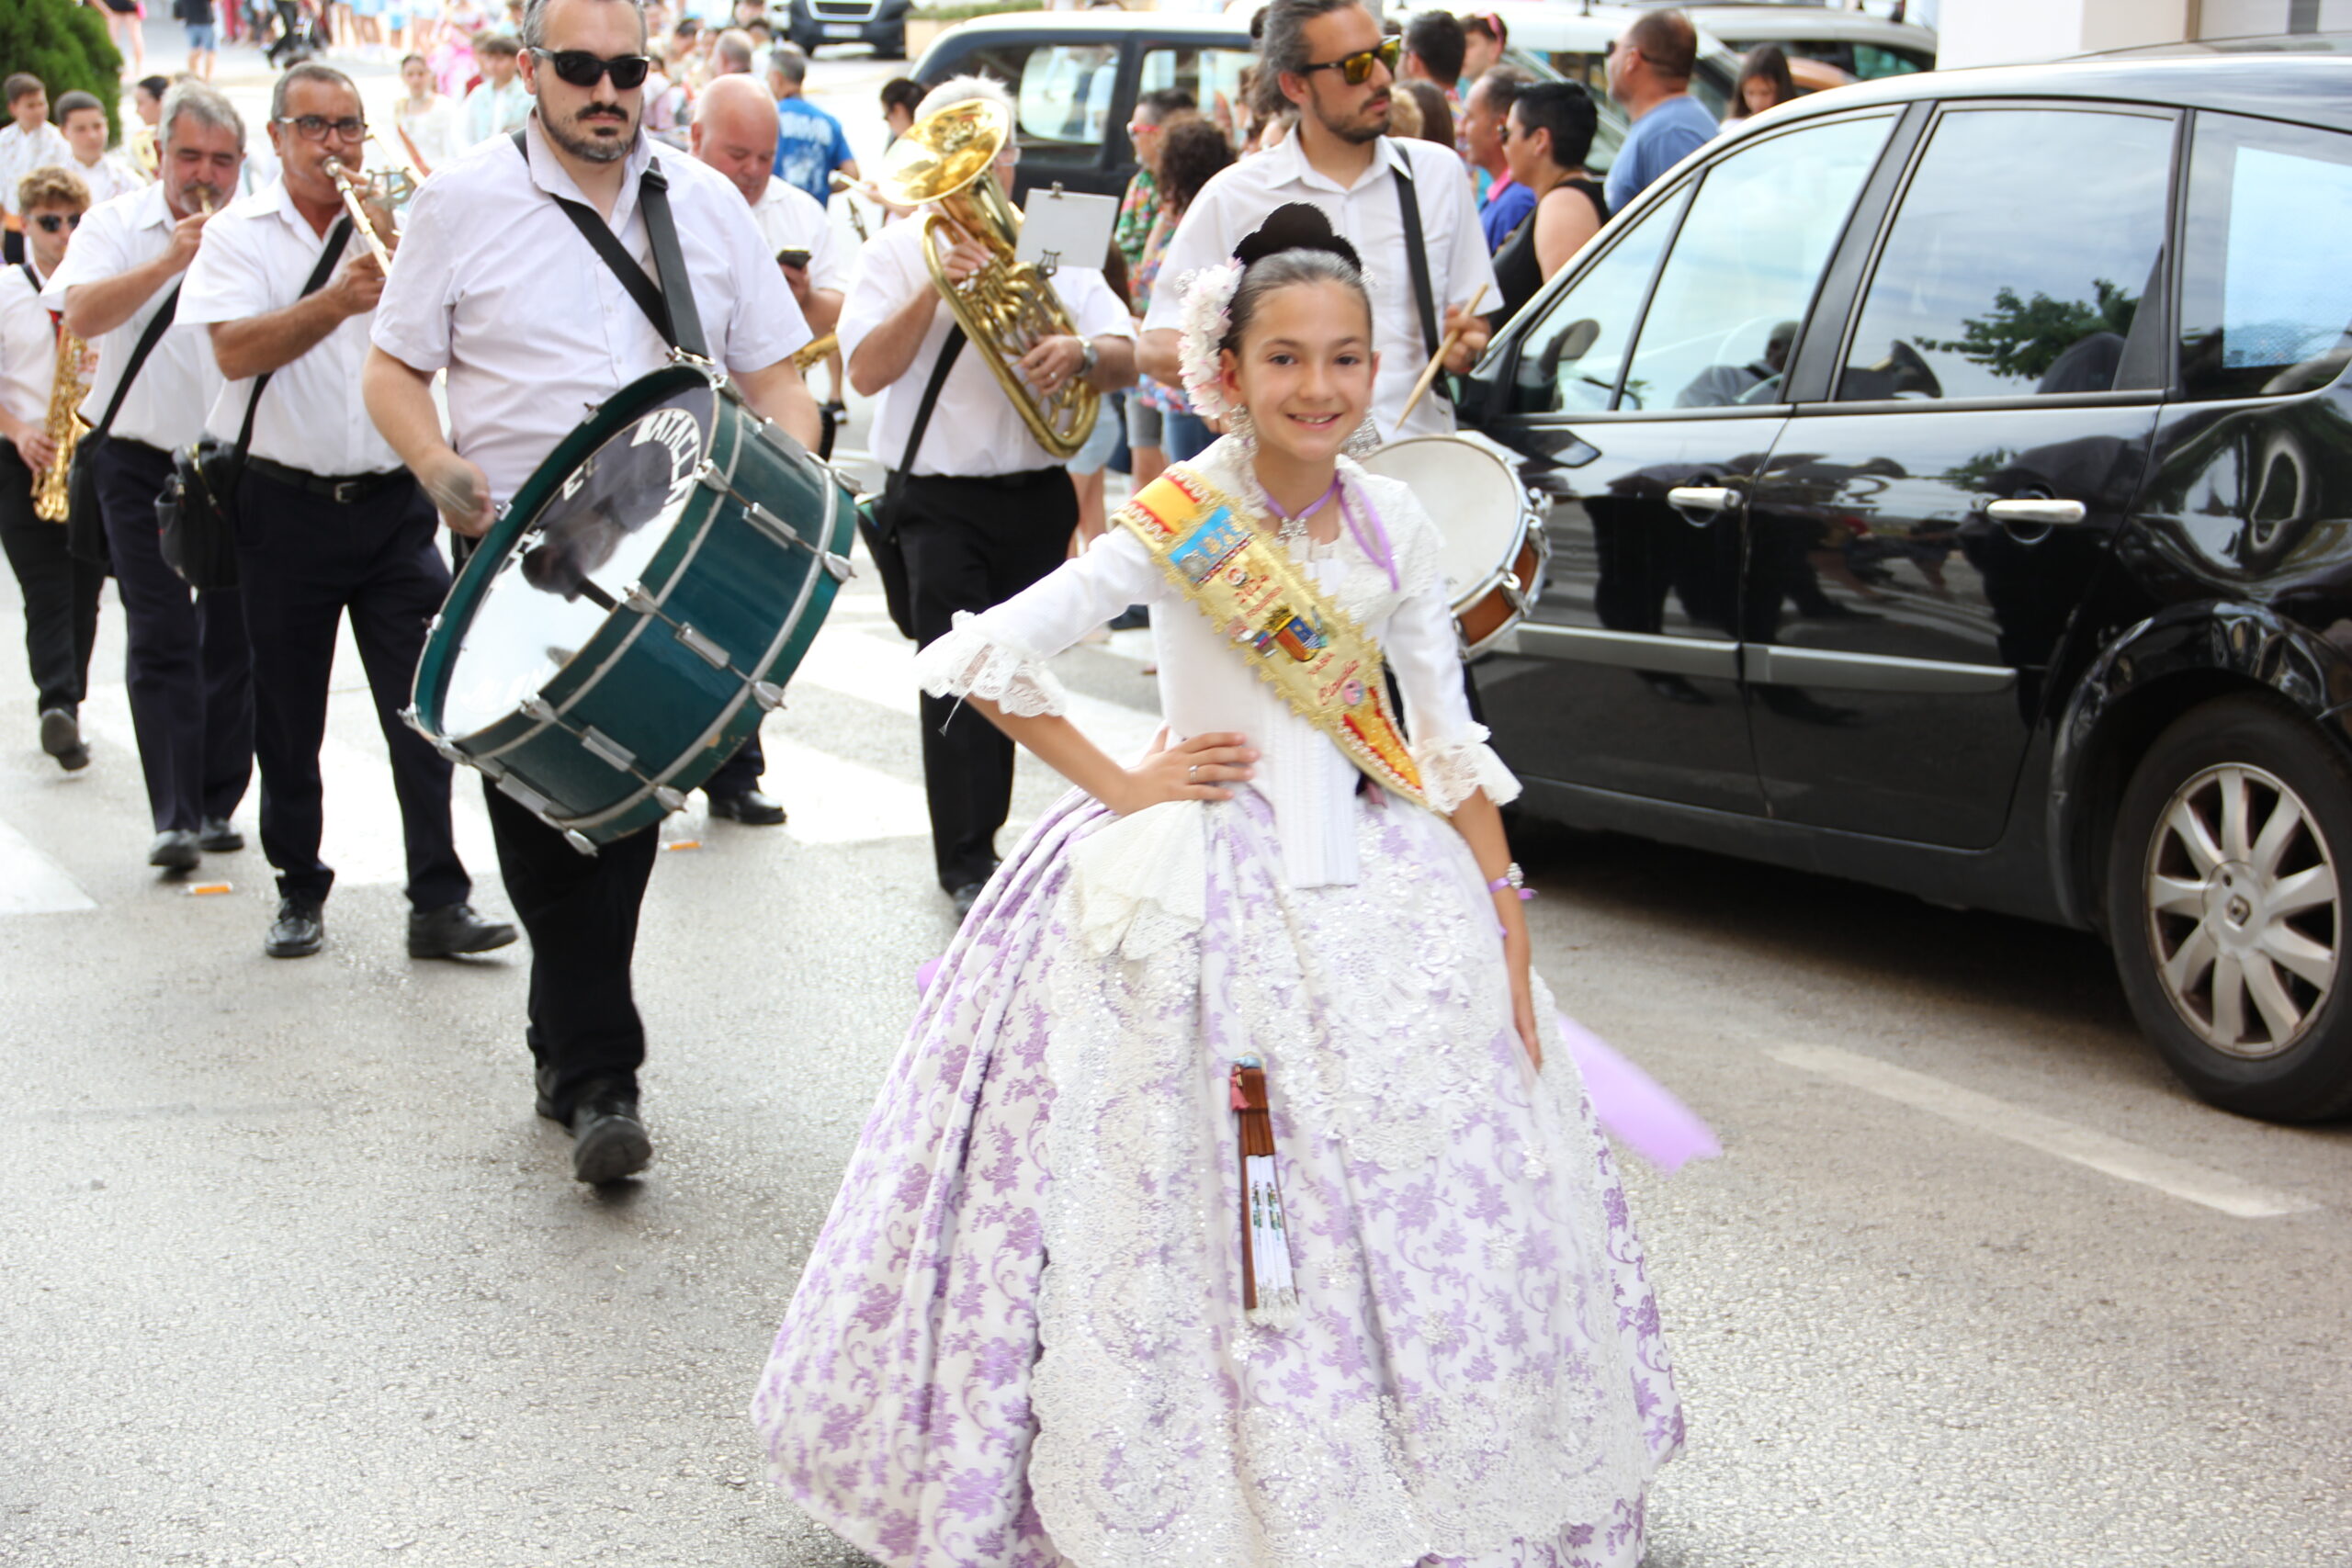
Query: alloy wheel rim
(2244, 910)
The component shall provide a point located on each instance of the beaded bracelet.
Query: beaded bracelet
(1512, 880)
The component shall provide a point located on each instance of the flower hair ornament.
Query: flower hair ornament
(1206, 318)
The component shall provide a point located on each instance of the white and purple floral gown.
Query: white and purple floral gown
(1020, 1338)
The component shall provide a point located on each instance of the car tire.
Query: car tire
(2225, 906)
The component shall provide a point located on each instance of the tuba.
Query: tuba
(1008, 307)
(52, 491)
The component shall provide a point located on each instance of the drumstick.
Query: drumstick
(1437, 360)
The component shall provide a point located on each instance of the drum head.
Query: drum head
(599, 530)
(1475, 499)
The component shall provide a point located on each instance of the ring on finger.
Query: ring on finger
(1192, 773)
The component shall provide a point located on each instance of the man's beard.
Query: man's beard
(1356, 132)
(595, 149)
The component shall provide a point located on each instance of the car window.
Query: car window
(2266, 293)
(1742, 274)
(1065, 92)
(1203, 73)
(1872, 61)
(1992, 283)
(1569, 361)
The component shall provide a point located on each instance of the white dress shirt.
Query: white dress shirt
(110, 177)
(789, 219)
(975, 431)
(1207, 687)
(21, 153)
(494, 284)
(27, 347)
(1232, 206)
(257, 253)
(166, 408)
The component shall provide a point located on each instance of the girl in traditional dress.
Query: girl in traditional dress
(1059, 1313)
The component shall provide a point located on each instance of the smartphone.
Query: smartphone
(793, 257)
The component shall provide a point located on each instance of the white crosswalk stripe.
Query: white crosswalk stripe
(32, 883)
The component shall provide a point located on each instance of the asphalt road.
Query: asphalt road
(292, 1274)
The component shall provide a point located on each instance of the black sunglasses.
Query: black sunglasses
(581, 69)
(1357, 68)
(50, 222)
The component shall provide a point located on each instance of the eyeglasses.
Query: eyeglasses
(318, 126)
(1357, 68)
(583, 69)
(1139, 128)
(50, 222)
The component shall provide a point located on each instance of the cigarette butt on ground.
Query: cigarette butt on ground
(208, 889)
(677, 844)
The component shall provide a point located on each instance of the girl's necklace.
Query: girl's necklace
(1292, 531)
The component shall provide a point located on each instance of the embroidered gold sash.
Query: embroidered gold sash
(1325, 665)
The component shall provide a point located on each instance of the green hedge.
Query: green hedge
(65, 44)
(967, 10)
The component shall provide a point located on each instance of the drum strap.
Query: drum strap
(669, 306)
(1409, 208)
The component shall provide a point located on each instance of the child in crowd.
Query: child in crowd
(27, 142)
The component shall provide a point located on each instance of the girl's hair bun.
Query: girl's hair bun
(1294, 226)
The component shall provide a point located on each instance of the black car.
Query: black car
(1947, 480)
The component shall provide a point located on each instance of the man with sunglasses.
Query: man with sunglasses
(187, 666)
(1330, 59)
(61, 592)
(327, 521)
(496, 286)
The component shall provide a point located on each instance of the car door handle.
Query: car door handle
(2041, 511)
(1710, 499)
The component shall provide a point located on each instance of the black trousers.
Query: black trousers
(303, 562)
(581, 911)
(188, 669)
(739, 774)
(970, 543)
(60, 594)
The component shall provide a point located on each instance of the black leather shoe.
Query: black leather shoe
(751, 808)
(608, 1137)
(543, 1079)
(453, 931)
(175, 849)
(966, 897)
(218, 838)
(61, 737)
(299, 930)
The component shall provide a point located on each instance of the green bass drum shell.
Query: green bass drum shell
(637, 608)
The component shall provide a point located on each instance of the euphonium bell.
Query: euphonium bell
(944, 161)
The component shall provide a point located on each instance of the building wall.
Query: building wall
(2010, 32)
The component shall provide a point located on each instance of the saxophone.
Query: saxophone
(64, 427)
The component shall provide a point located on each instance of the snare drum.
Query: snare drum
(637, 608)
(1494, 553)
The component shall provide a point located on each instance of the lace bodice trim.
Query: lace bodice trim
(967, 663)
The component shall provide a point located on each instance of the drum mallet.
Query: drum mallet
(1437, 360)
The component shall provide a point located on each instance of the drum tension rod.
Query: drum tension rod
(837, 566)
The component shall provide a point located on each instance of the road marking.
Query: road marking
(32, 883)
(2111, 1156)
(835, 801)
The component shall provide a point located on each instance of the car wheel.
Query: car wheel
(2225, 904)
(895, 48)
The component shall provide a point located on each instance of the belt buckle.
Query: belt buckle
(347, 491)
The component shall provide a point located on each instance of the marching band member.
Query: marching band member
(61, 592)
(983, 511)
(189, 670)
(107, 175)
(328, 522)
(497, 286)
(1331, 62)
(734, 131)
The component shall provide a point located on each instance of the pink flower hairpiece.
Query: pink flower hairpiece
(1207, 316)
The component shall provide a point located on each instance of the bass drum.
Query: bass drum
(637, 608)
(1495, 554)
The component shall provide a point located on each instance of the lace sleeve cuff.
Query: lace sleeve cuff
(967, 663)
(1451, 769)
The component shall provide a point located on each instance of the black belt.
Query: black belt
(340, 489)
(1021, 481)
